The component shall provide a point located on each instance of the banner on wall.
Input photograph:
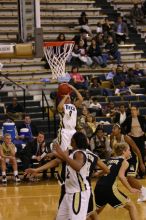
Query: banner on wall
(7, 48)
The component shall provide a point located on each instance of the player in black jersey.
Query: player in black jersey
(136, 158)
(106, 189)
(94, 162)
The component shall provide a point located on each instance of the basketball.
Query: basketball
(64, 89)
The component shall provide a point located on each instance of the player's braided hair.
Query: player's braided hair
(81, 140)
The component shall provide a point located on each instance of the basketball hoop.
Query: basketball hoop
(56, 54)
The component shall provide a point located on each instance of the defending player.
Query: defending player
(106, 190)
(68, 118)
(118, 137)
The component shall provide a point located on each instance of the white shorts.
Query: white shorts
(74, 206)
(64, 138)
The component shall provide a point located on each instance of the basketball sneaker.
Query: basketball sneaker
(142, 197)
(17, 179)
(4, 179)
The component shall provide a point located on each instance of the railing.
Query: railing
(44, 99)
(23, 89)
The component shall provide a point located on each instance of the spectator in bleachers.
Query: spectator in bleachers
(95, 107)
(119, 76)
(110, 110)
(137, 70)
(83, 56)
(15, 110)
(95, 104)
(135, 127)
(82, 118)
(77, 80)
(74, 56)
(99, 28)
(131, 78)
(89, 126)
(110, 75)
(32, 129)
(99, 39)
(100, 144)
(125, 69)
(87, 100)
(123, 89)
(96, 86)
(95, 52)
(95, 82)
(83, 23)
(61, 37)
(120, 115)
(112, 50)
(7, 152)
(121, 30)
(82, 36)
(136, 15)
(107, 28)
(37, 151)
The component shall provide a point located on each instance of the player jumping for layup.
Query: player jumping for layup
(68, 118)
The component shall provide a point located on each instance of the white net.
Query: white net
(57, 56)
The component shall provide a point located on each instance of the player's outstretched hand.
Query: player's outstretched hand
(67, 96)
(30, 172)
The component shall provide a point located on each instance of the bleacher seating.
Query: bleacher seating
(114, 98)
(124, 7)
(31, 69)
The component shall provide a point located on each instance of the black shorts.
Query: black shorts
(133, 166)
(91, 205)
(114, 197)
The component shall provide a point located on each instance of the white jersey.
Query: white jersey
(68, 118)
(77, 181)
(121, 141)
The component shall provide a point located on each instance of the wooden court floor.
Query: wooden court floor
(38, 201)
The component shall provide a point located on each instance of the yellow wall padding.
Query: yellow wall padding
(23, 50)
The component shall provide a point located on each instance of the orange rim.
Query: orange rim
(57, 43)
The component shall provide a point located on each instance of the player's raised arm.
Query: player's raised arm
(79, 100)
(62, 102)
